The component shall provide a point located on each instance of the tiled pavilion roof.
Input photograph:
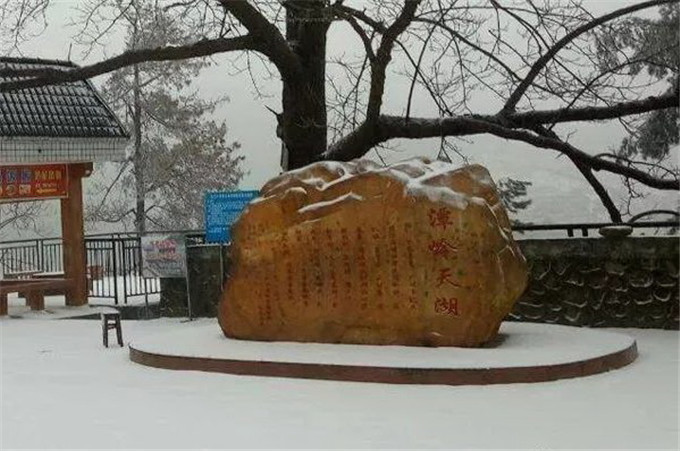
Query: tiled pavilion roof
(66, 123)
(71, 110)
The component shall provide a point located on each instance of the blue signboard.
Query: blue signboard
(222, 209)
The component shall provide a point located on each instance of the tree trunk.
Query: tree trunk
(304, 98)
(138, 157)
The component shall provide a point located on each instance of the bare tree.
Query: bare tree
(177, 151)
(537, 62)
(19, 216)
(651, 45)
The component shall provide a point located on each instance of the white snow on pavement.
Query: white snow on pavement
(61, 389)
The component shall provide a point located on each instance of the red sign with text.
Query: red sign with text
(24, 182)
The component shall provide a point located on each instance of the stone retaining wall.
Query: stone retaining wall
(595, 282)
(628, 282)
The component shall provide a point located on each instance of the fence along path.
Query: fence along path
(114, 260)
(113, 264)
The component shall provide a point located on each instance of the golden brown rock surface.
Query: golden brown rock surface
(417, 253)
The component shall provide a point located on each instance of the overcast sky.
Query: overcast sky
(559, 192)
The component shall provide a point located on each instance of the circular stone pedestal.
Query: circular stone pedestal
(523, 352)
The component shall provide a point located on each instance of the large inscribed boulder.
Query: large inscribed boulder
(418, 253)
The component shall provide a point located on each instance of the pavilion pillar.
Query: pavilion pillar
(73, 234)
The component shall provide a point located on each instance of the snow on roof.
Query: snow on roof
(65, 122)
(67, 110)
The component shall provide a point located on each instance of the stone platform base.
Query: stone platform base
(523, 352)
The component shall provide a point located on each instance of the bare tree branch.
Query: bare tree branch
(383, 57)
(42, 77)
(559, 45)
(20, 215)
(587, 173)
(531, 118)
(272, 43)
(599, 189)
(365, 39)
(583, 158)
(363, 138)
(362, 16)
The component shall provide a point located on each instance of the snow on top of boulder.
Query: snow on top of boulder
(420, 177)
(297, 189)
(327, 203)
(439, 194)
(421, 186)
(342, 178)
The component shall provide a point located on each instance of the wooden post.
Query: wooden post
(73, 235)
(3, 304)
(36, 300)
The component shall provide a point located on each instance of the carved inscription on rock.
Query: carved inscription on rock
(418, 253)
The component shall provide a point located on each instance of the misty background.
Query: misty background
(559, 193)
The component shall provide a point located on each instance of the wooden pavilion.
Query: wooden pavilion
(49, 139)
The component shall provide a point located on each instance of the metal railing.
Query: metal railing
(586, 228)
(39, 255)
(114, 266)
(113, 263)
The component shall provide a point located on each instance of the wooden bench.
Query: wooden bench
(33, 290)
(56, 291)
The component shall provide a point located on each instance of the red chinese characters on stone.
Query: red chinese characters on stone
(440, 218)
(265, 311)
(413, 290)
(379, 287)
(285, 249)
(446, 306)
(442, 248)
(394, 261)
(332, 262)
(445, 276)
(289, 279)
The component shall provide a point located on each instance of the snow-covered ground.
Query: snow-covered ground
(62, 389)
